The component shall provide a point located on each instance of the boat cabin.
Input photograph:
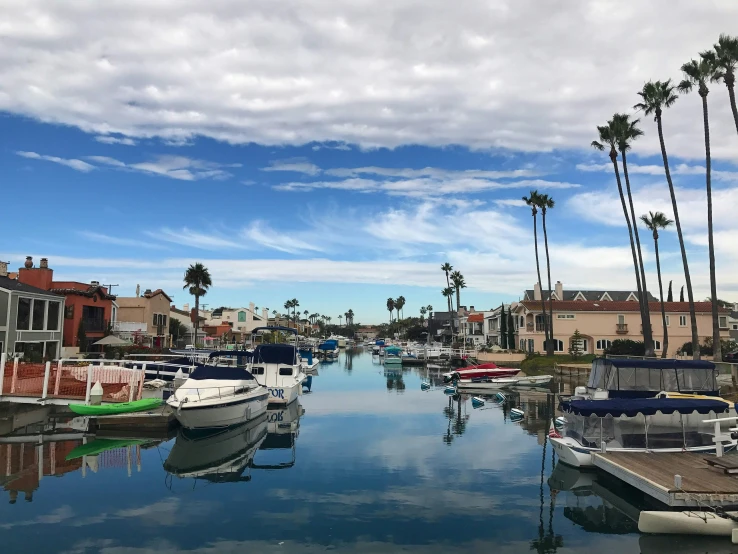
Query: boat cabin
(636, 378)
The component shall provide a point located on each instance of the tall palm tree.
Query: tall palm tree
(448, 292)
(350, 315)
(447, 268)
(197, 278)
(423, 311)
(295, 304)
(654, 222)
(399, 305)
(696, 74)
(725, 60)
(657, 95)
(545, 203)
(533, 200)
(340, 320)
(390, 307)
(457, 280)
(608, 135)
(288, 307)
(628, 131)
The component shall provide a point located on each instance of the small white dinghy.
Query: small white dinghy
(688, 523)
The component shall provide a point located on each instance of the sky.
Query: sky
(337, 153)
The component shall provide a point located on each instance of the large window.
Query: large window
(52, 317)
(23, 321)
(564, 316)
(723, 322)
(657, 345)
(682, 321)
(39, 311)
(603, 344)
(558, 345)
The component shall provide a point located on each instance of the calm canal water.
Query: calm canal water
(373, 464)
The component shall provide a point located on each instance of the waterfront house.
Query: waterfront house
(733, 322)
(601, 319)
(184, 317)
(241, 320)
(87, 306)
(30, 319)
(145, 317)
(493, 325)
(472, 327)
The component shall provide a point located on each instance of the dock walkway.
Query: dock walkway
(654, 474)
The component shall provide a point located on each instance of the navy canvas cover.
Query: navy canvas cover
(617, 407)
(202, 372)
(329, 345)
(275, 354)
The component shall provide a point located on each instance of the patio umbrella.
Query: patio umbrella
(111, 340)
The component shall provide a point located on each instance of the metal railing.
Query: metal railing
(230, 390)
(621, 328)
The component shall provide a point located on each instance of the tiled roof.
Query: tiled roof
(593, 295)
(157, 291)
(473, 318)
(606, 306)
(182, 312)
(17, 286)
(89, 293)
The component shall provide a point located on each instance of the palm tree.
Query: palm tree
(628, 131)
(340, 320)
(288, 307)
(423, 311)
(533, 200)
(390, 307)
(654, 222)
(197, 279)
(448, 292)
(457, 279)
(725, 61)
(696, 74)
(545, 203)
(399, 305)
(608, 135)
(295, 304)
(448, 268)
(656, 96)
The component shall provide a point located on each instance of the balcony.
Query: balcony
(529, 327)
(94, 325)
(621, 328)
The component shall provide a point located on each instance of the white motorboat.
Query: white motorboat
(279, 368)
(308, 363)
(219, 395)
(639, 425)
(329, 349)
(219, 455)
(502, 382)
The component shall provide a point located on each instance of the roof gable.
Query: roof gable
(14, 285)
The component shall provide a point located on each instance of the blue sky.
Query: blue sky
(334, 156)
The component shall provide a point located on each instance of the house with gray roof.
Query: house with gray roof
(580, 294)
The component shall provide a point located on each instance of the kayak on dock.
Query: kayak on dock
(112, 409)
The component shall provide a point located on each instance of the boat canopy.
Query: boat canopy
(631, 407)
(636, 378)
(275, 354)
(275, 328)
(220, 372)
(329, 345)
(379, 342)
(393, 350)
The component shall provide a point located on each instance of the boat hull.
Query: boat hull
(479, 371)
(220, 413)
(281, 396)
(687, 523)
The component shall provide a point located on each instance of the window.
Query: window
(585, 345)
(621, 319)
(23, 321)
(735, 327)
(682, 321)
(285, 371)
(603, 344)
(257, 371)
(723, 322)
(564, 316)
(668, 321)
(657, 345)
(522, 344)
(241, 316)
(39, 312)
(52, 316)
(156, 319)
(558, 345)
(163, 320)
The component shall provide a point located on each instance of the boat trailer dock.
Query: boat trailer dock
(679, 479)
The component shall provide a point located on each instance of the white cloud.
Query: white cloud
(79, 165)
(118, 241)
(658, 170)
(260, 233)
(195, 239)
(295, 166)
(511, 202)
(175, 167)
(105, 139)
(433, 172)
(244, 72)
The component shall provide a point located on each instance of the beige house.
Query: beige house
(603, 320)
(148, 313)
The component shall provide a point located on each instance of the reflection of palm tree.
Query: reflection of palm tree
(461, 420)
(400, 384)
(390, 383)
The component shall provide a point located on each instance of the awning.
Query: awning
(629, 407)
(111, 340)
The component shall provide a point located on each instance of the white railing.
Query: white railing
(719, 436)
(230, 390)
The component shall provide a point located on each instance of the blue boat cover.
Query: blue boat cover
(393, 350)
(275, 354)
(328, 345)
(220, 372)
(275, 328)
(379, 343)
(660, 363)
(307, 354)
(617, 407)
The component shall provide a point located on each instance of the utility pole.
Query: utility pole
(110, 288)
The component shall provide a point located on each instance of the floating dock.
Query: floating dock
(679, 479)
(154, 424)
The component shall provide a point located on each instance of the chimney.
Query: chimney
(536, 292)
(3, 269)
(265, 314)
(559, 290)
(29, 262)
(44, 263)
(39, 277)
(186, 307)
(95, 283)
(138, 291)
(471, 308)
(147, 292)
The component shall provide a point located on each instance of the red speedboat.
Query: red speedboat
(468, 368)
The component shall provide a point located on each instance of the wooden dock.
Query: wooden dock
(655, 475)
(573, 369)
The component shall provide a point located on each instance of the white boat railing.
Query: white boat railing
(230, 390)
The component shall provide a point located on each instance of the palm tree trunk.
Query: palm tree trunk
(647, 331)
(687, 278)
(632, 242)
(549, 344)
(730, 83)
(197, 317)
(717, 353)
(665, 346)
(540, 287)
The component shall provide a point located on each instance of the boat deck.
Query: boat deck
(654, 474)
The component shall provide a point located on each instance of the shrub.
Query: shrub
(626, 347)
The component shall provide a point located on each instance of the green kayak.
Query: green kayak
(122, 408)
(101, 445)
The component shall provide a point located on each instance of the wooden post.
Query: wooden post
(40, 454)
(15, 375)
(58, 378)
(47, 373)
(3, 359)
(89, 383)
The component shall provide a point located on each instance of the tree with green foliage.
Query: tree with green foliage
(399, 304)
(503, 328)
(575, 344)
(670, 295)
(510, 332)
(533, 201)
(545, 203)
(390, 307)
(654, 222)
(198, 280)
(725, 60)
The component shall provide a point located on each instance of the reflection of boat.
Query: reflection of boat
(99, 446)
(283, 428)
(637, 425)
(217, 395)
(217, 455)
(658, 544)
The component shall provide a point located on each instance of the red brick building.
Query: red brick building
(88, 304)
